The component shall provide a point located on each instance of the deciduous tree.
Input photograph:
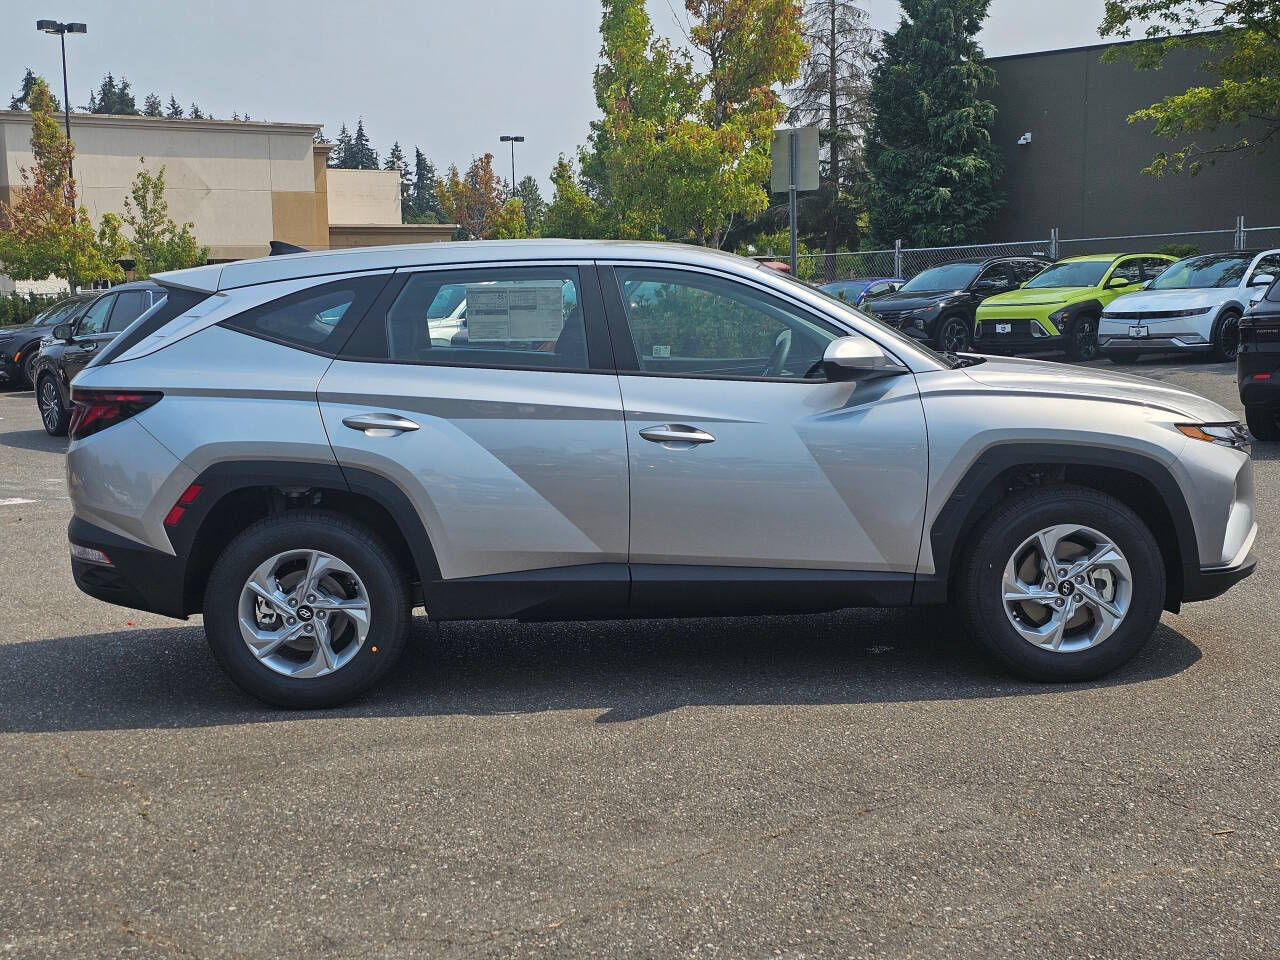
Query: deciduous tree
(929, 145)
(157, 242)
(472, 200)
(1240, 40)
(508, 223)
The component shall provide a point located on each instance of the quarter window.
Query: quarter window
(520, 317)
(705, 326)
(130, 305)
(319, 318)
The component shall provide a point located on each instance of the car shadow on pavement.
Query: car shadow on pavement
(625, 670)
(33, 440)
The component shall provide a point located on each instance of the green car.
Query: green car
(1058, 308)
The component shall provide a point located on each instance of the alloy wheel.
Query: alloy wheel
(50, 405)
(1229, 336)
(1086, 339)
(954, 337)
(1067, 588)
(304, 613)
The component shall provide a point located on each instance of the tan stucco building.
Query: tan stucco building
(242, 184)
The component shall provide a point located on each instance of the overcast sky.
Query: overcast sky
(450, 76)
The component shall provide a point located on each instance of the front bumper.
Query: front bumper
(1117, 343)
(1215, 581)
(137, 576)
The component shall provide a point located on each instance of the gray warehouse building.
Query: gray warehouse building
(1080, 170)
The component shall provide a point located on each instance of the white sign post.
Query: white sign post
(795, 168)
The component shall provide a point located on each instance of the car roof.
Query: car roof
(243, 273)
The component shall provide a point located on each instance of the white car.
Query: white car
(1195, 306)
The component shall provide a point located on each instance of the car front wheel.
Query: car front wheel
(1226, 336)
(53, 414)
(953, 335)
(1062, 583)
(1264, 422)
(1082, 343)
(29, 367)
(306, 609)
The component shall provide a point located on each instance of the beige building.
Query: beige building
(242, 184)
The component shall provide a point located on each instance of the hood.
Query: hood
(910, 301)
(1144, 301)
(22, 328)
(1013, 375)
(1038, 296)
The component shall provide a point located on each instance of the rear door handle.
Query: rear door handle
(676, 433)
(380, 424)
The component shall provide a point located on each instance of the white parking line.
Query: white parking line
(14, 501)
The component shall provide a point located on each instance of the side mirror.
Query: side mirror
(1115, 282)
(1262, 280)
(857, 358)
(64, 332)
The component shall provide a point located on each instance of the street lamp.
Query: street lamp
(513, 141)
(62, 29)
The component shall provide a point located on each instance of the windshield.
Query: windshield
(844, 309)
(1201, 273)
(951, 276)
(1077, 273)
(55, 314)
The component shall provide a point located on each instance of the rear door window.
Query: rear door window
(130, 305)
(95, 320)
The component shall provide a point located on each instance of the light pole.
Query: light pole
(513, 141)
(62, 29)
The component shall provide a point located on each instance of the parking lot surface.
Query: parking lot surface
(860, 784)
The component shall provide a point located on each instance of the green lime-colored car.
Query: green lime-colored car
(1058, 308)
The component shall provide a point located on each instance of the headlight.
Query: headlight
(1224, 434)
(928, 311)
(1058, 317)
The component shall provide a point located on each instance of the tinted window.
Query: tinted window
(516, 317)
(318, 318)
(130, 305)
(1152, 267)
(701, 325)
(1269, 265)
(1199, 273)
(95, 320)
(998, 274)
(1130, 270)
(953, 276)
(1078, 273)
(1024, 270)
(1273, 295)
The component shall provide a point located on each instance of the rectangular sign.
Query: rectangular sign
(806, 142)
(524, 311)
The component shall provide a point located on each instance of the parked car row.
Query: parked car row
(1115, 305)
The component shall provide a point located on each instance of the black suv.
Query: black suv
(1258, 365)
(19, 345)
(72, 344)
(939, 305)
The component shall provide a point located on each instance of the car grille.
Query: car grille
(1017, 328)
(1149, 314)
(891, 317)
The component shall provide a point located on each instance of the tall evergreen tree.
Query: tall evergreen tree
(152, 107)
(835, 81)
(21, 99)
(424, 205)
(363, 156)
(113, 98)
(397, 162)
(175, 109)
(195, 113)
(929, 145)
(531, 202)
(340, 155)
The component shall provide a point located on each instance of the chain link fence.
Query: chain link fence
(906, 262)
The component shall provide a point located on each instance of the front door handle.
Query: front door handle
(676, 433)
(380, 424)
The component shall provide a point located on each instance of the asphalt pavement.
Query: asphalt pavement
(860, 784)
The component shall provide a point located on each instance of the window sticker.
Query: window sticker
(528, 311)
(664, 351)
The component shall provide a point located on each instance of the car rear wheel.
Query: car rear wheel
(1226, 336)
(1062, 583)
(1082, 342)
(306, 609)
(1264, 422)
(954, 335)
(53, 414)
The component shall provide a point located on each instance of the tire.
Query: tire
(1264, 422)
(1226, 336)
(382, 586)
(1000, 539)
(955, 334)
(1123, 359)
(53, 415)
(1082, 339)
(29, 366)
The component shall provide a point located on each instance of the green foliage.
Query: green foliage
(157, 243)
(573, 213)
(1241, 42)
(16, 308)
(363, 156)
(195, 113)
(152, 107)
(693, 322)
(396, 161)
(174, 111)
(113, 98)
(1179, 250)
(508, 223)
(42, 233)
(21, 99)
(424, 205)
(531, 200)
(929, 144)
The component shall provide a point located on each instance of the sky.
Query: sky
(449, 76)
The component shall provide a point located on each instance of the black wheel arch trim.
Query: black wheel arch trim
(965, 506)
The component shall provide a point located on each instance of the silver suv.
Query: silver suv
(304, 448)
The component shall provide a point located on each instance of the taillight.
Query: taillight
(95, 410)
